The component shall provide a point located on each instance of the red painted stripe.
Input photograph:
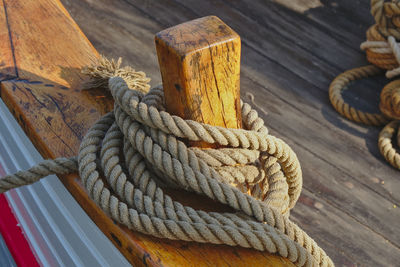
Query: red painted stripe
(13, 236)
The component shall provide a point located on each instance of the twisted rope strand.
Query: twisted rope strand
(45, 168)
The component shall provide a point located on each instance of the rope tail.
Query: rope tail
(45, 168)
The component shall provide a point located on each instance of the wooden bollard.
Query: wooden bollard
(200, 68)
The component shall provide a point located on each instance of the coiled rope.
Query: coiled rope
(130, 154)
(383, 52)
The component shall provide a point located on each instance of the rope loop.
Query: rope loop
(341, 83)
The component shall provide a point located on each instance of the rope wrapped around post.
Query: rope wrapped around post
(383, 51)
(130, 154)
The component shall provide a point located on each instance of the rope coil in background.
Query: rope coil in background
(383, 52)
(129, 156)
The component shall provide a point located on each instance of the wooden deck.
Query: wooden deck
(350, 201)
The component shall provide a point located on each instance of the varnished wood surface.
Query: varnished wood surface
(200, 67)
(42, 52)
(291, 51)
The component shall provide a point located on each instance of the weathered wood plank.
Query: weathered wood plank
(7, 62)
(300, 112)
(300, 31)
(54, 116)
(46, 88)
(35, 55)
(46, 98)
(351, 243)
(346, 20)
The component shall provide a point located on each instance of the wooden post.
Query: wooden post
(200, 67)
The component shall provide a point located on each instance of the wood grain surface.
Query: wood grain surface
(42, 51)
(200, 68)
(290, 55)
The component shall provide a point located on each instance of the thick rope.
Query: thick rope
(386, 146)
(137, 151)
(383, 51)
(390, 100)
(341, 83)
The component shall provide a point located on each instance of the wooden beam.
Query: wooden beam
(43, 51)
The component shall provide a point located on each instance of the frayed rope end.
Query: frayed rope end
(104, 69)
